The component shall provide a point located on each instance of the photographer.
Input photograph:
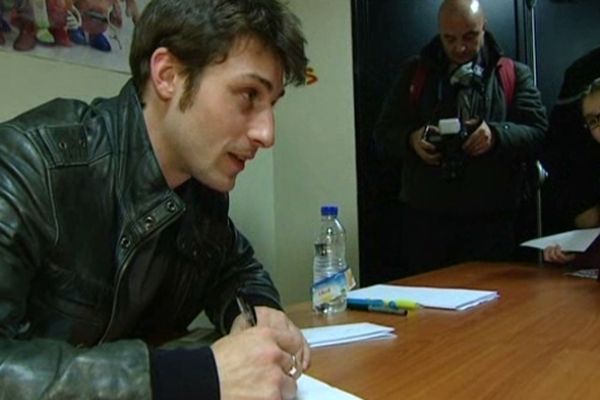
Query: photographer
(461, 191)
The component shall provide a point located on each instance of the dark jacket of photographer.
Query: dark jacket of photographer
(96, 252)
(488, 184)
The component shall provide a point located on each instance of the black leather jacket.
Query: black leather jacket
(96, 252)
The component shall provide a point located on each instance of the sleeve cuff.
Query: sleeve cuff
(184, 374)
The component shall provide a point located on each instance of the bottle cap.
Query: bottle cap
(329, 210)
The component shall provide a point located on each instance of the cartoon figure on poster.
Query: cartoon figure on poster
(64, 22)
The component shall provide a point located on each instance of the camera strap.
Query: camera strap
(505, 68)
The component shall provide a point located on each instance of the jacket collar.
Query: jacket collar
(146, 203)
(434, 57)
(144, 199)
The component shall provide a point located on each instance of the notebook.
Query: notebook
(445, 298)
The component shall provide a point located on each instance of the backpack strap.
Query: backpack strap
(417, 83)
(506, 72)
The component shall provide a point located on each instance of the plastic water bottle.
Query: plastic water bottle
(330, 270)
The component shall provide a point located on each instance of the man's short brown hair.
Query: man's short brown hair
(201, 32)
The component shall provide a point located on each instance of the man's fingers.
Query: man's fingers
(304, 356)
(555, 254)
(286, 340)
(289, 388)
(428, 153)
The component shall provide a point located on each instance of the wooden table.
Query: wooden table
(539, 340)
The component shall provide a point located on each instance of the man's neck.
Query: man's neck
(165, 154)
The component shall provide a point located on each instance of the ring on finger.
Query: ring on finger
(294, 370)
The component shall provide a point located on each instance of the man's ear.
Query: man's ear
(163, 73)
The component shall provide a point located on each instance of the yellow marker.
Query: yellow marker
(405, 304)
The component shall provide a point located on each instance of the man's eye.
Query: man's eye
(251, 95)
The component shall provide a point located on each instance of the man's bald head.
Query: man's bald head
(462, 28)
(462, 8)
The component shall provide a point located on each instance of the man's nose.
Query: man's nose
(461, 47)
(262, 131)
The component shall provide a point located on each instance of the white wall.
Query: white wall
(314, 157)
(29, 81)
(276, 200)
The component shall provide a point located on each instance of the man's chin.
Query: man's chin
(224, 185)
(459, 61)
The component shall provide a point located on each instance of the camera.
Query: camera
(448, 142)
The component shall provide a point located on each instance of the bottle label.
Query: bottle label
(350, 281)
(328, 289)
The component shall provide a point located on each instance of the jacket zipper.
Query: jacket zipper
(122, 273)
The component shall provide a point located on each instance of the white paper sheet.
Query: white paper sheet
(589, 273)
(577, 240)
(451, 299)
(310, 388)
(346, 333)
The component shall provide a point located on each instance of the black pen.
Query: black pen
(246, 309)
(387, 310)
(249, 315)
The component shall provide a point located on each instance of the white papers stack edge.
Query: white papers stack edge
(346, 333)
(450, 299)
(310, 388)
(589, 273)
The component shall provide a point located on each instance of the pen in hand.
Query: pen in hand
(249, 314)
(246, 310)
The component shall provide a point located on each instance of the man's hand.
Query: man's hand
(277, 320)
(480, 141)
(254, 364)
(425, 150)
(555, 254)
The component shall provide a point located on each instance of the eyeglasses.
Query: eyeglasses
(592, 122)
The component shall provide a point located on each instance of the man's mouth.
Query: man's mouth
(241, 159)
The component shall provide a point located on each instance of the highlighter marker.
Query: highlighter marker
(405, 304)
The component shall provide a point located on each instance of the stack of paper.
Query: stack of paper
(310, 388)
(346, 333)
(451, 299)
(589, 273)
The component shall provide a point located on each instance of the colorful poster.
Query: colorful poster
(96, 33)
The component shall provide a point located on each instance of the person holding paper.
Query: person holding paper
(572, 157)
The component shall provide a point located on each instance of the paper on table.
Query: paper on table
(589, 273)
(346, 333)
(452, 299)
(577, 240)
(310, 388)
